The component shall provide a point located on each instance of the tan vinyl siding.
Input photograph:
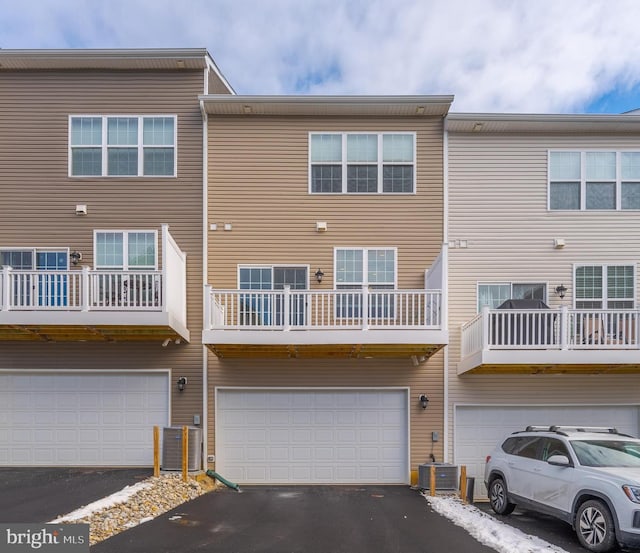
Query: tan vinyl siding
(498, 203)
(38, 199)
(259, 183)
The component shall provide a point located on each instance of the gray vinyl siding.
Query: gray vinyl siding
(498, 203)
(38, 199)
(258, 183)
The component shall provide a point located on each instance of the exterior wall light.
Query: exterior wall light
(319, 275)
(561, 291)
(424, 400)
(182, 383)
(75, 257)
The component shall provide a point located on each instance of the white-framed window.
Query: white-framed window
(356, 268)
(494, 294)
(125, 249)
(604, 286)
(594, 180)
(122, 146)
(362, 163)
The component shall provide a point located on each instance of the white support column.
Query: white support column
(286, 307)
(208, 298)
(5, 293)
(564, 327)
(86, 283)
(365, 308)
(485, 328)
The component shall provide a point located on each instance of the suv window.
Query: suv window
(522, 446)
(553, 446)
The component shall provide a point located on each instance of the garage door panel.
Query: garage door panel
(81, 419)
(320, 436)
(479, 429)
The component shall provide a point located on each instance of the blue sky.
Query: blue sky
(529, 56)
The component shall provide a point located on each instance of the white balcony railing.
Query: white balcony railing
(98, 290)
(84, 290)
(562, 329)
(323, 310)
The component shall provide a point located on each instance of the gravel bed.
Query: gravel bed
(140, 503)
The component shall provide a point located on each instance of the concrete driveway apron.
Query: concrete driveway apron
(300, 519)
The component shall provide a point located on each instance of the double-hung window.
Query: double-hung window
(605, 286)
(356, 268)
(126, 250)
(122, 146)
(594, 180)
(362, 163)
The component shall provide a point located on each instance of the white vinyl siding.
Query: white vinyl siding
(498, 192)
(362, 163)
(120, 146)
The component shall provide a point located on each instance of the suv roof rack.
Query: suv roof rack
(561, 429)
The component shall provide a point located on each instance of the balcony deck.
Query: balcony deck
(358, 323)
(563, 341)
(86, 305)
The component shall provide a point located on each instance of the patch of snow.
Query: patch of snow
(489, 531)
(114, 499)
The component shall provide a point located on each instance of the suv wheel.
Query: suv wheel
(594, 526)
(498, 497)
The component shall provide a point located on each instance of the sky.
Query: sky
(512, 56)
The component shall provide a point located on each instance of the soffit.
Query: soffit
(386, 106)
(124, 59)
(483, 123)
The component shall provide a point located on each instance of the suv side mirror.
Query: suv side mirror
(559, 461)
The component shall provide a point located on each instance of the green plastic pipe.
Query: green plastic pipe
(226, 482)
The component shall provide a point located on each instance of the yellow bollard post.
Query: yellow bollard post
(432, 481)
(463, 483)
(156, 451)
(185, 453)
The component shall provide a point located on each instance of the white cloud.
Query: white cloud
(494, 55)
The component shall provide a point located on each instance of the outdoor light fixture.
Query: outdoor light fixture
(182, 383)
(561, 291)
(319, 275)
(75, 257)
(424, 400)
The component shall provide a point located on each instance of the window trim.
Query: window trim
(104, 146)
(618, 181)
(379, 162)
(125, 246)
(605, 289)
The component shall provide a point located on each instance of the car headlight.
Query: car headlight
(633, 493)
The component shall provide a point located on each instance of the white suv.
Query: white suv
(588, 477)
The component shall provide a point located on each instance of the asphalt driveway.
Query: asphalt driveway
(299, 519)
(42, 494)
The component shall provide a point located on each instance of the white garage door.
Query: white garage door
(479, 429)
(81, 419)
(312, 436)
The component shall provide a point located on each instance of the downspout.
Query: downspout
(445, 280)
(205, 264)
